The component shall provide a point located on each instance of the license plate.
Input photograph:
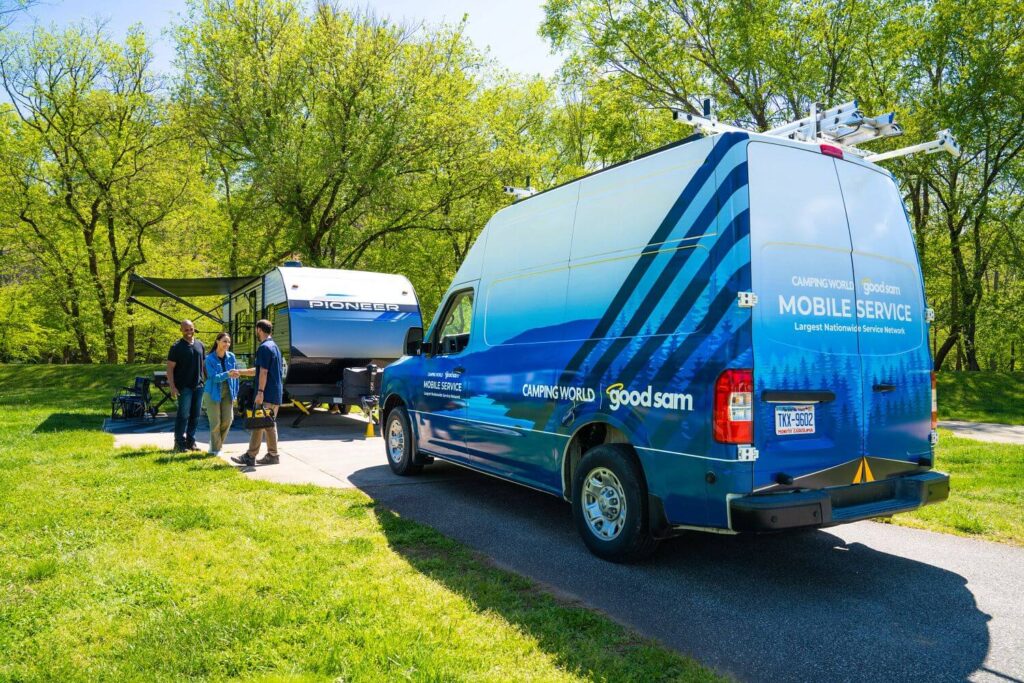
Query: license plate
(794, 419)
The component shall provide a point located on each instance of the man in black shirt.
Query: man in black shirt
(185, 378)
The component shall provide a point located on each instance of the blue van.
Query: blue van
(728, 334)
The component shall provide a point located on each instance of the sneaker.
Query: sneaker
(213, 452)
(244, 460)
(178, 448)
(268, 460)
(191, 446)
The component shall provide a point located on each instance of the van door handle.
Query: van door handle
(884, 388)
(459, 370)
(797, 396)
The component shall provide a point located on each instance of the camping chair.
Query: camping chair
(132, 402)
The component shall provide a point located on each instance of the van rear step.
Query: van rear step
(838, 505)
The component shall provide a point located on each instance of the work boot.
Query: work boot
(245, 460)
(269, 459)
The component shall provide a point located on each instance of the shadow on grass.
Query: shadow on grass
(171, 458)
(164, 457)
(789, 591)
(69, 422)
(580, 639)
(136, 453)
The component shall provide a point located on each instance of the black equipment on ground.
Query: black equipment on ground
(162, 385)
(133, 401)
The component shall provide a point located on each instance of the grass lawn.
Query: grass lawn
(986, 496)
(136, 565)
(981, 396)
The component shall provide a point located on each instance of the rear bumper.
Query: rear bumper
(837, 505)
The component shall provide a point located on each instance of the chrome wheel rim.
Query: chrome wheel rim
(396, 441)
(604, 504)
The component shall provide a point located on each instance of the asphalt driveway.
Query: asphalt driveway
(861, 602)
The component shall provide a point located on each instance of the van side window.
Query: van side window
(455, 326)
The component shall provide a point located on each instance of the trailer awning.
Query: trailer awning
(178, 288)
(175, 287)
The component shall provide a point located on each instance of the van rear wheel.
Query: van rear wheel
(398, 444)
(609, 504)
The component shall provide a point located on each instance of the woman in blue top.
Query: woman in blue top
(220, 391)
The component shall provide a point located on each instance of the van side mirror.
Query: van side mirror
(414, 341)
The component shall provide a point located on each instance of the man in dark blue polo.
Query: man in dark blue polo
(269, 393)
(185, 380)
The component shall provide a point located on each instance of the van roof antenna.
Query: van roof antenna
(708, 123)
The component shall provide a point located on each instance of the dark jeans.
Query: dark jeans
(189, 405)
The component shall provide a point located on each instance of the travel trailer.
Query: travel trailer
(729, 334)
(325, 320)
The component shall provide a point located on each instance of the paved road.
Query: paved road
(985, 431)
(859, 602)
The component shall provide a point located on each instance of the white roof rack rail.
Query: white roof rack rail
(944, 142)
(844, 126)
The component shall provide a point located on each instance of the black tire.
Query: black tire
(401, 460)
(628, 537)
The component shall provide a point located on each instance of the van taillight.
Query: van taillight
(734, 406)
(935, 403)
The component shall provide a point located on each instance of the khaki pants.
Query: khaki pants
(256, 438)
(220, 414)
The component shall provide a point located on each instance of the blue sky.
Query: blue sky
(509, 29)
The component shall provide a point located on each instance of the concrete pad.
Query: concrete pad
(325, 450)
(985, 431)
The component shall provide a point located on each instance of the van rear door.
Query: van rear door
(841, 363)
(808, 378)
(895, 361)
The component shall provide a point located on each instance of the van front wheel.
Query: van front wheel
(398, 444)
(609, 504)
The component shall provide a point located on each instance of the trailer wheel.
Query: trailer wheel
(609, 504)
(398, 443)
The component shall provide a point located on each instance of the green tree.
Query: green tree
(352, 127)
(95, 165)
(944, 64)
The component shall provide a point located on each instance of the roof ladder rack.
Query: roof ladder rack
(844, 125)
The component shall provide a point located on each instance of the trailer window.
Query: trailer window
(455, 325)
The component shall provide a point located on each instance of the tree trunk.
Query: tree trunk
(72, 309)
(130, 343)
(969, 339)
(947, 346)
(109, 335)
